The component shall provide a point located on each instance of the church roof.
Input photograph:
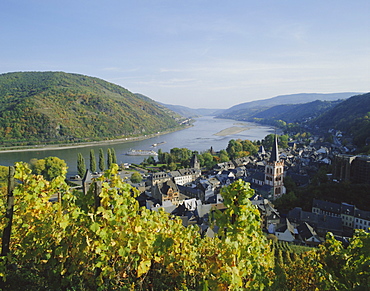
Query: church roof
(275, 151)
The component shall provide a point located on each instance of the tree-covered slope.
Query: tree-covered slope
(352, 116)
(246, 110)
(63, 107)
(296, 112)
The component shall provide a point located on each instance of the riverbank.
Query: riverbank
(50, 147)
(231, 130)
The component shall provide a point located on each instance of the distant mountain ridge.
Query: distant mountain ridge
(247, 109)
(191, 112)
(58, 107)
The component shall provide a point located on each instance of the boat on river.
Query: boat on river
(141, 153)
(157, 144)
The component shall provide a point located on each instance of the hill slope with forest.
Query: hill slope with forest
(352, 116)
(248, 109)
(294, 112)
(58, 107)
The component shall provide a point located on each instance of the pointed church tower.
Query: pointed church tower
(274, 172)
(194, 163)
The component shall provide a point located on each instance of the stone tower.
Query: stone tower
(274, 172)
(194, 162)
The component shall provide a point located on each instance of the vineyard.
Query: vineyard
(105, 241)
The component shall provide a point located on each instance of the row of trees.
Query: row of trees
(78, 244)
(81, 164)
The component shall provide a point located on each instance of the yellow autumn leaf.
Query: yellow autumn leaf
(138, 228)
(144, 267)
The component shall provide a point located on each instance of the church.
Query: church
(270, 183)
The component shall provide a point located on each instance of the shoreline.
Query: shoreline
(84, 144)
(231, 130)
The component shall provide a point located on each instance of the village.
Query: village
(192, 194)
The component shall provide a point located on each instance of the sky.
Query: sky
(195, 53)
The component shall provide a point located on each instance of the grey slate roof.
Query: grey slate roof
(327, 206)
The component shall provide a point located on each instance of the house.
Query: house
(181, 178)
(350, 215)
(286, 232)
(323, 223)
(352, 168)
(192, 192)
(270, 217)
(308, 235)
(362, 220)
(347, 214)
(225, 166)
(327, 208)
(168, 191)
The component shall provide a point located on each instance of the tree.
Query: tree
(81, 166)
(136, 177)
(224, 157)
(207, 160)
(151, 160)
(249, 147)
(268, 141)
(114, 156)
(50, 167)
(172, 166)
(233, 148)
(92, 161)
(101, 160)
(161, 157)
(283, 141)
(109, 158)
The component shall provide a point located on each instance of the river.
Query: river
(207, 132)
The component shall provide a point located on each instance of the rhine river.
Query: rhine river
(207, 132)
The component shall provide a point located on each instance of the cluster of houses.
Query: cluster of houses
(192, 194)
(340, 219)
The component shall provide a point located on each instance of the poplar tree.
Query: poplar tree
(109, 158)
(101, 160)
(114, 157)
(81, 166)
(92, 161)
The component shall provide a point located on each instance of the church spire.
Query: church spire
(275, 151)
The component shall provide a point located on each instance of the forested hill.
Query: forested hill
(352, 116)
(58, 107)
(294, 112)
(246, 110)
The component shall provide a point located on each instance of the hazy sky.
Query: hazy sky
(197, 53)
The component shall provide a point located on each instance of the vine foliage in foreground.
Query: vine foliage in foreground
(116, 245)
(75, 245)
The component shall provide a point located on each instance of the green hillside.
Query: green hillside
(57, 107)
(296, 112)
(352, 116)
(246, 110)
